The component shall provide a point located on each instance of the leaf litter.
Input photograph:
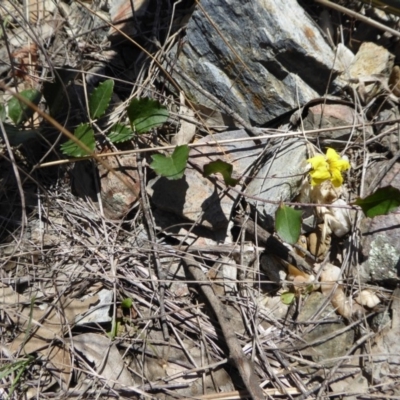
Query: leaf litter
(67, 272)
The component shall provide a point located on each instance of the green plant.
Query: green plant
(19, 113)
(222, 167)
(381, 202)
(18, 367)
(173, 166)
(288, 223)
(144, 114)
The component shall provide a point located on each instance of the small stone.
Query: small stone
(333, 348)
(117, 197)
(371, 59)
(323, 116)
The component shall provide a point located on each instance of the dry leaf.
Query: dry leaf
(107, 360)
(367, 298)
(329, 279)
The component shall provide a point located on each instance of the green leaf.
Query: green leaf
(85, 134)
(146, 114)
(120, 133)
(288, 223)
(173, 166)
(126, 303)
(287, 298)
(100, 98)
(381, 202)
(20, 112)
(224, 168)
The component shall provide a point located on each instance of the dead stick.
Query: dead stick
(241, 362)
(148, 216)
(273, 245)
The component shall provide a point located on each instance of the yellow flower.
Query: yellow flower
(328, 167)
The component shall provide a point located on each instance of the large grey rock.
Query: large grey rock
(278, 180)
(284, 59)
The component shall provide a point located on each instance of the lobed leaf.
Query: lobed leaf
(100, 98)
(120, 133)
(173, 166)
(224, 168)
(20, 112)
(85, 134)
(146, 114)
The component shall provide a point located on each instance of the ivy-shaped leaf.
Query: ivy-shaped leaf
(173, 166)
(381, 202)
(100, 99)
(120, 133)
(85, 134)
(224, 168)
(288, 223)
(146, 114)
(19, 111)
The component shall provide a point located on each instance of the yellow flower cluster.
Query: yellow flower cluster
(328, 167)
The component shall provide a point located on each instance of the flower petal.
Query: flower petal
(337, 178)
(341, 165)
(318, 162)
(318, 176)
(331, 155)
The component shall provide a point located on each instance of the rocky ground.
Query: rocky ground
(117, 282)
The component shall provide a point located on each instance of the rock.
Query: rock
(261, 58)
(197, 198)
(371, 68)
(352, 385)
(371, 59)
(322, 116)
(121, 11)
(192, 197)
(391, 140)
(278, 179)
(383, 365)
(332, 348)
(380, 236)
(116, 196)
(394, 81)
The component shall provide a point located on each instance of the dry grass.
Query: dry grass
(61, 250)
